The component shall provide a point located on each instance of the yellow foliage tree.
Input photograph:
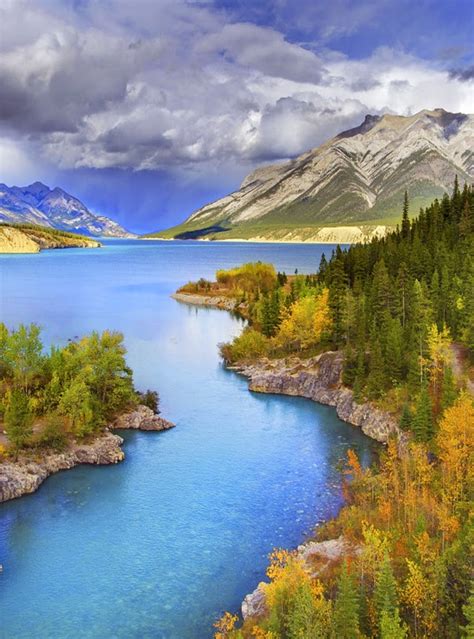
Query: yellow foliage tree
(455, 441)
(309, 318)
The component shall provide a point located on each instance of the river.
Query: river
(162, 544)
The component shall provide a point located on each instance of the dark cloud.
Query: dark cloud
(464, 75)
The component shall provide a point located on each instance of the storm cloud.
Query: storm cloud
(191, 85)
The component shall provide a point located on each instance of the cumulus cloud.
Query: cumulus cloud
(176, 84)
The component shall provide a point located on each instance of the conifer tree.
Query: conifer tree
(385, 593)
(422, 422)
(346, 608)
(405, 219)
(468, 610)
(391, 626)
(376, 379)
(406, 418)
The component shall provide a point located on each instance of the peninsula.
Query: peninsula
(383, 332)
(28, 238)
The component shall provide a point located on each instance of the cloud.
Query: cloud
(182, 86)
(463, 74)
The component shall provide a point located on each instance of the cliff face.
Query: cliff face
(319, 379)
(31, 240)
(25, 475)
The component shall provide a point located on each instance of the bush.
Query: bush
(53, 434)
(249, 345)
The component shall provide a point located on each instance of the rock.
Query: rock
(214, 301)
(320, 379)
(316, 557)
(254, 604)
(25, 475)
(142, 418)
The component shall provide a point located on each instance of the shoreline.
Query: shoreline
(25, 475)
(316, 378)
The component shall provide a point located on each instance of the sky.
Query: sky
(149, 109)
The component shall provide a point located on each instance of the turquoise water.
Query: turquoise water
(162, 544)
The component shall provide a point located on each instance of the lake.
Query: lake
(160, 545)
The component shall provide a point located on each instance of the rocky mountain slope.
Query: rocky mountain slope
(32, 239)
(53, 208)
(357, 180)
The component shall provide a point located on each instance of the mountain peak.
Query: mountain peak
(359, 176)
(38, 204)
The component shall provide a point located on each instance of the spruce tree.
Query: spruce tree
(376, 380)
(422, 422)
(449, 391)
(385, 593)
(346, 608)
(406, 418)
(405, 219)
(391, 626)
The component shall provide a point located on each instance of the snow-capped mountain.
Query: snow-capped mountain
(357, 177)
(38, 204)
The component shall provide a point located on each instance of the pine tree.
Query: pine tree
(346, 608)
(405, 219)
(422, 422)
(385, 593)
(18, 419)
(391, 626)
(406, 418)
(376, 379)
(449, 392)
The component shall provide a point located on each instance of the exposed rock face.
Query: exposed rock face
(13, 240)
(26, 475)
(142, 418)
(319, 379)
(358, 176)
(316, 557)
(30, 240)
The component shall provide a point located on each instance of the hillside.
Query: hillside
(355, 180)
(54, 208)
(28, 238)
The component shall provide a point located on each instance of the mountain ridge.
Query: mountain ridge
(356, 178)
(54, 208)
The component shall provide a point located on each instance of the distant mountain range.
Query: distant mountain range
(355, 181)
(54, 208)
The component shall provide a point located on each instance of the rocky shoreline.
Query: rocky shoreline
(319, 379)
(213, 301)
(26, 475)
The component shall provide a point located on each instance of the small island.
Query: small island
(384, 333)
(29, 238)
(57, 408)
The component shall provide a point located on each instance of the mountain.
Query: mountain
(355, 181)
(54, 208)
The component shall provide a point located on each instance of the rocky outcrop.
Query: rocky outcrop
(319, 379)
(142, 418)
(316, 557)
(26, 474)
(214, 301)
(13, 240)
(32, 240)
